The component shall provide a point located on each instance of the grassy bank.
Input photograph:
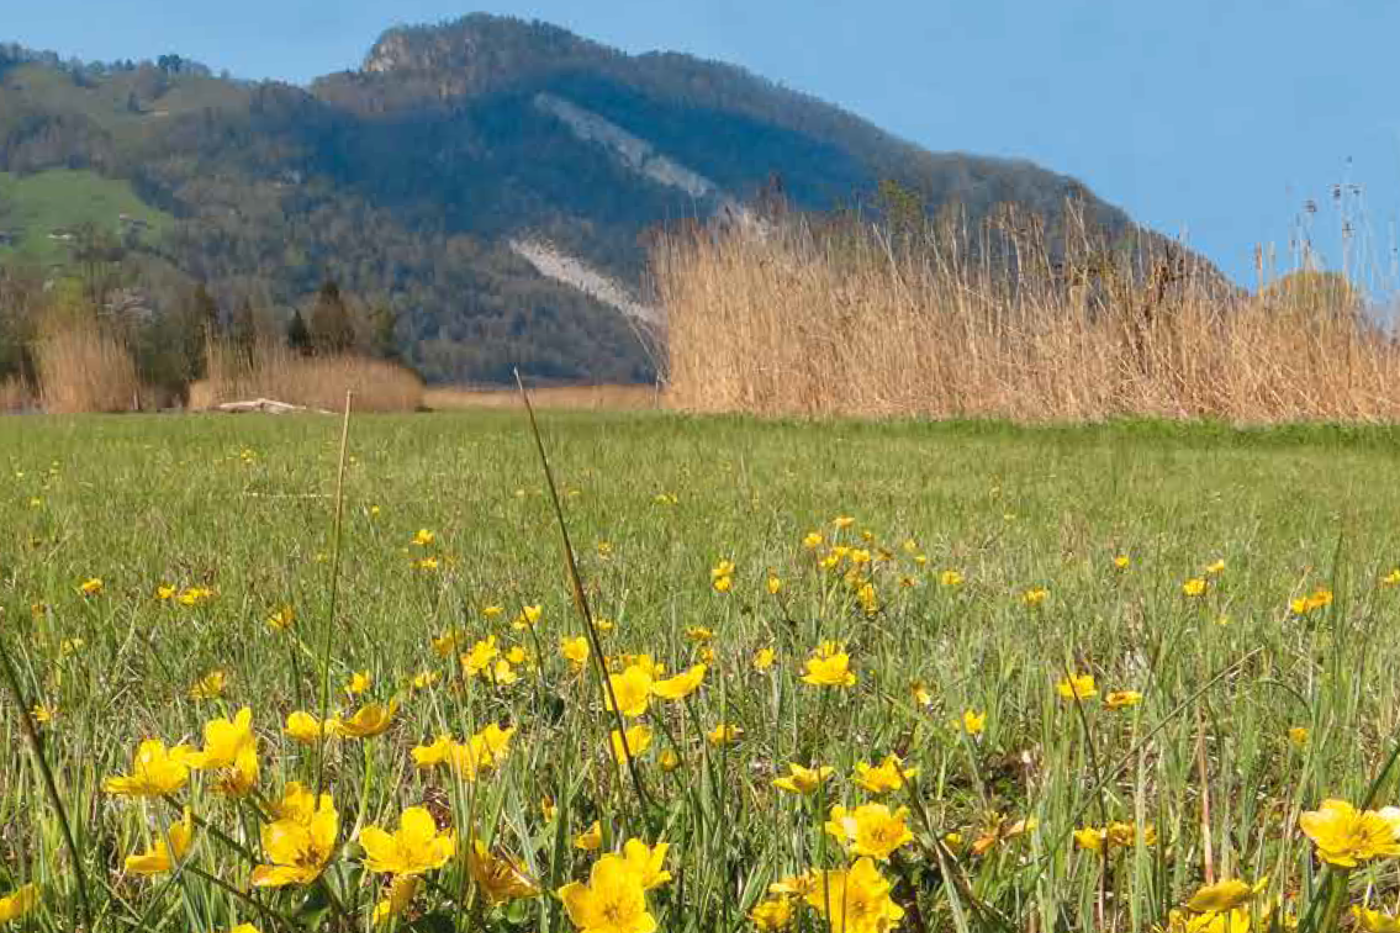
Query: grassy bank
(1251, 711)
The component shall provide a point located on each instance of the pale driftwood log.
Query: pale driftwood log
(265, 406)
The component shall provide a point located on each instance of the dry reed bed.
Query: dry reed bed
(275, 372)
(82, 366)
(795, 321)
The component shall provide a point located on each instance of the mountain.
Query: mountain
(490, 181)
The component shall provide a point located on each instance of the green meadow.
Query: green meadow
(933, 599)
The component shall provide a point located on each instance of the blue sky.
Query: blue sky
(1213, 119)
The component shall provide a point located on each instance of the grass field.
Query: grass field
(981, 566)
(36, 205)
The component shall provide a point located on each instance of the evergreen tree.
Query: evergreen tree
(332, 330)
(298, 336)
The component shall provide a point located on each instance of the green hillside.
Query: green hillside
(36, 211)
(414, 180)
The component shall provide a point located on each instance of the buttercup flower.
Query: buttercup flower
(856, 900)
(829, 666)
(300, 842)
(870, 829)
(888, 776)
(802, 780)
(648, 862)
(1077, 687)
(1346, 836)
(370, 720)
(155, 772)
(21, 902)
(160, 857)
(771, 914)
(631, 689)
(414, 848)
(499, 877)
(591, 838)
(680, 686)
(613, 901)
(1122, 699)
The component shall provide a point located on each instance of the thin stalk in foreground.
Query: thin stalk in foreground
(581, 604)
(50, 787)
(335, 587)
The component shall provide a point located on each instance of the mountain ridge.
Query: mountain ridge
(413, 179)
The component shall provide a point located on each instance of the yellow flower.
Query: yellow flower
(426, 564)
(21, 902)
(1345, 836)
(973, 722)
(631, 689)
(1196, 586)
(1298, 735)
(613, 901)
(763, 659)
(359, 682)
(870, 829)
(282, 619)
(867, 597)
(414, 848)
(795, 885)
(724, 734)
(950, 578)
(829, 667)
(680, 686)
(843, 521)
(921, 694)
(1122, 562)
(669, 760)
(771, 914)
(370, 720)
(1035, 596)
(446, 644)
(165, 591)
(1306, 604)
(1224, 895)
(888, 776)
(774, 584)
(424, 679)
(161, 856)
(1122, 699)
(591, 838)
(492, 612)
(300, 842)
(430, 756)
(648, 862)
(813, 540)
(209, 687)
(155, 772)
(528, 618)
(547, 808)
(500, 877)
(1077, 687)
(856, 900)
(43, 714)
(306, 729)
(402, 889)
(481, 656)
(423, 538)
(1217, 567)
(1373, 921)
(802, 780)
(638, 741)
(575, 651)
(1121, 835)
(195, 595)
(1392, 578)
